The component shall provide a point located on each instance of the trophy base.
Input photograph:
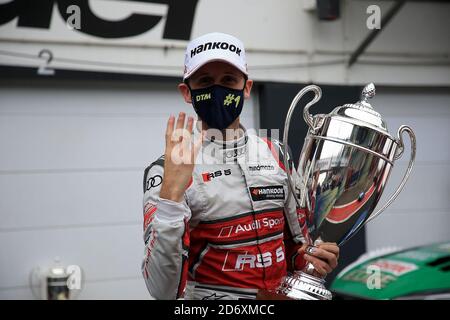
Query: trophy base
(303, 286)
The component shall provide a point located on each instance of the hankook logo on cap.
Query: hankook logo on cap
(216, 46)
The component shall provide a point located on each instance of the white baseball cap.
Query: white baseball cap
(214, 47)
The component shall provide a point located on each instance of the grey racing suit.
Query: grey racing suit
(236, 231)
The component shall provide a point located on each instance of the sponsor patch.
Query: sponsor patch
(214, 296)
(263, 169)
(235, 261)
(216, 46)
(208, 176)
(153, 182)
(268, 223)
(397, 268)
(267, 193)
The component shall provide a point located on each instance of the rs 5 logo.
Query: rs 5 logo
(262, 260)
(208, 176)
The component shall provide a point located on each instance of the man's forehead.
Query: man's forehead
(216, 67)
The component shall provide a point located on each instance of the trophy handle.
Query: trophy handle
(398, 154)
(306, 115)
(309, 120)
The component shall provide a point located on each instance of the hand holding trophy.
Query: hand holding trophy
(343, 169)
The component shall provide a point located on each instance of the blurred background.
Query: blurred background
(86, 88)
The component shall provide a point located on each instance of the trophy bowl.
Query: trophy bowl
(344, 166)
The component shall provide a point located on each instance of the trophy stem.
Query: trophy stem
(303, 286)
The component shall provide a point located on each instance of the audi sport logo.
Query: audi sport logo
(269, 223)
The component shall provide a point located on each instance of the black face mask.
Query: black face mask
(217, 105)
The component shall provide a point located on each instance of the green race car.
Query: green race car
(415, 273)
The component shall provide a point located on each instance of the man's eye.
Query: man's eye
(204, 80)
(229, 79)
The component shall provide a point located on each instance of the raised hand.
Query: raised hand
(180, 154)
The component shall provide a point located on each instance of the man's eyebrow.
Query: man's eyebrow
(202, 74)
(232, 73)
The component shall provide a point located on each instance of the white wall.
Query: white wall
(421, 213)
(71, 167)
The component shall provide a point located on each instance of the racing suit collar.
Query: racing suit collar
(226, 150)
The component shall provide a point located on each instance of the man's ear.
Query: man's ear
(185, 92)
(248, 88)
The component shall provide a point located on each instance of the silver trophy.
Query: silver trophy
(343, 169)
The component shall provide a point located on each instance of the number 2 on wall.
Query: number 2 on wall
(47, 56)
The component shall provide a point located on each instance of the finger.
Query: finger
(169, 129)
(177, 135)
(322, 254)
(180, 121)
(330, 247)
(320, 266)
(318, 275)
(187, 135)
(317, 267)
(327, 259)
(302, 249)
(188, 132)
(190, 125)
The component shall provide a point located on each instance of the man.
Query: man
(227, 226)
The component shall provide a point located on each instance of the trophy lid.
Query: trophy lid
(362, 110)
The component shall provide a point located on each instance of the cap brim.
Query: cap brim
(187, 75)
